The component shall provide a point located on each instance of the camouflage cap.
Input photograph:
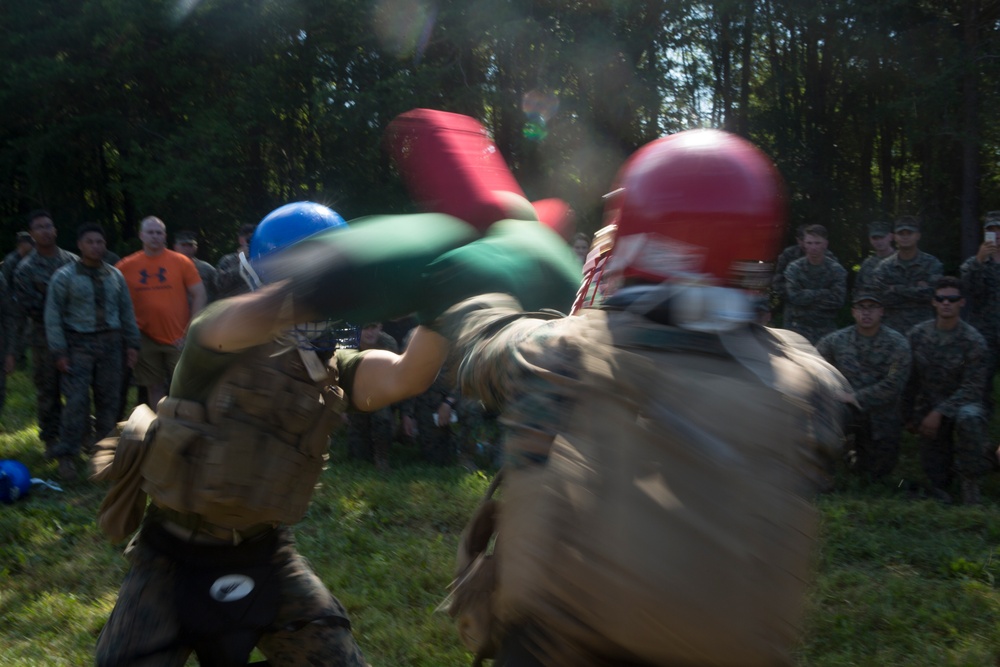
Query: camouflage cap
(907, 222)
(991, 219)
(879, 229)
(866, 296)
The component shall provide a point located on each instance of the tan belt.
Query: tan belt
(193, 528)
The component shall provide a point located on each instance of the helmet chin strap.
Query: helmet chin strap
(248, 274)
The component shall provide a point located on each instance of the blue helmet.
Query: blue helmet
(281, 228)
(290, 224)
(15, 480)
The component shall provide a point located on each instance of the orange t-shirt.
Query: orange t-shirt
(158, 287)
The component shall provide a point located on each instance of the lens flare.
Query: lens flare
(404, 27)
(539, 108)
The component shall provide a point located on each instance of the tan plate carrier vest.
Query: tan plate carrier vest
(670, 524)
(252, 453)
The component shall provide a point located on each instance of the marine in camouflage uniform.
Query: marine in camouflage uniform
(949, 373)
(151, 622)
(876, 361)
(816, 288)
(905, 279)
(18, 321)
(436, 442)
(779, 284)
(6, 324)
(369, 434)
(228, 281)
(980, 276)
(31, 281)
(89, 323)
(539, 374)
(880, 237)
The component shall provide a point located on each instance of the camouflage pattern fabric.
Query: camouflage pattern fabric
(95, 363)
(7, 323)
(907, 303)
(31, 281)
(981, 288)
(949, 373)
(18, 321)
(864, 281)
(311, 626)
(778, 284)
(878, 368)
(228, 280)
(815, 293)
(438, 443)
(83, 299)
(541, 373)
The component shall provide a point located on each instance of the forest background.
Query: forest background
(211, 113)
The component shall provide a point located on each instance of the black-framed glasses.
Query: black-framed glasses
(949, 299)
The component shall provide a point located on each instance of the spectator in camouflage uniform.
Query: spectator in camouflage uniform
(949, 371)
(6, 323)
(981, 285)
(787, 256)
(816, 287)
(31, 282)
(905, 279)
(229, 281)
(369, 434)
(880, 238)
(428, 418)
(876, 361)
(186, 243)
(88, 322)
(24, 245)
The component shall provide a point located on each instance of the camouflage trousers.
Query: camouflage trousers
(309, 627)
(48, 401)
(876, 450)
(95, 363)
(960, 446)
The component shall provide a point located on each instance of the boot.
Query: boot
(970, 492)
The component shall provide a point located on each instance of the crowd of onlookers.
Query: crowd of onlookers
(911, 359)
(97, 324)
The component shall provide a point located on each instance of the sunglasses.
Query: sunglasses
(949, 299)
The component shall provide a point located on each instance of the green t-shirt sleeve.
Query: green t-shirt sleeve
(347, 367)
(199, 367)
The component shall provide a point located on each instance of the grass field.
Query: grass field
(899, 581)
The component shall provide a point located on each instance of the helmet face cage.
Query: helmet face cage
(284, 227)
(701, 206)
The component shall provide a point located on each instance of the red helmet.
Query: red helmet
(703, 204)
